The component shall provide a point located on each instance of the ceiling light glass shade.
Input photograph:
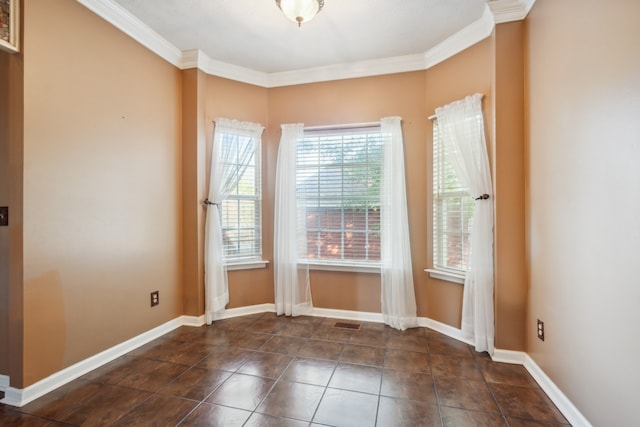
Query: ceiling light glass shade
(300, 10)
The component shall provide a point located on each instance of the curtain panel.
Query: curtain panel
(230, 138)
(462, 129)
(291, 278)
(398, 295)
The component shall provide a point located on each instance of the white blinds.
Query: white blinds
(452, 211)
(242, 208)
(234, 143)
(338, 174)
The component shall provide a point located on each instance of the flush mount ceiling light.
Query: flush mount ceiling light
(300, 10)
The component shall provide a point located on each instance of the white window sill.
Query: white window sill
(246, 265)
(350, 268)
(446, 275)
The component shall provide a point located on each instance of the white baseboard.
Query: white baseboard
(568, 409)
(443, 328)
(4, 383)
(192, 320)
(245, 311)
(564, 405)
(508, 356)
(570, 412)
(20, 397)
(362, 316)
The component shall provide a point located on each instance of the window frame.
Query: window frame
(367, 265)
(440, 269)
(253, 260)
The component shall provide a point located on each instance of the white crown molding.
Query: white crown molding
(496, 11)
(192, 59)
(349, 70)
(510, 10)
(198, 59)
(122, 19)
(233, 72)
(468, 36)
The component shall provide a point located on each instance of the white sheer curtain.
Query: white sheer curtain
(462, 129)
(233, 143)
(292, 290)
(398, 295)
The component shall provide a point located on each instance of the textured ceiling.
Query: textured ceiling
(256, 35)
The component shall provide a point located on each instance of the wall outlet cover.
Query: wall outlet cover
(155, 298)
(540, 329)
(4, 216)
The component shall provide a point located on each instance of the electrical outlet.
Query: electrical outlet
(155, 298)
(541, 329)
(4, 216)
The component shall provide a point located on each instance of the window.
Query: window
(338, 178)
(452, 212)
(242, 208)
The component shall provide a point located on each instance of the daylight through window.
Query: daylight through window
(452, 212)
(338, 177)
(241, 209)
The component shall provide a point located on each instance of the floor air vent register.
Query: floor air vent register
(346, 325)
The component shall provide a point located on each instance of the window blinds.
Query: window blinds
(452, 212)
(338, 179)
(242, 209)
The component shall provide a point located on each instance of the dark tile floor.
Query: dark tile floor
(264, 370)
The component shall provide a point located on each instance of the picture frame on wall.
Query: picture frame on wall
(9, 21)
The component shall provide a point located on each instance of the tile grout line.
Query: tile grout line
(293, 358)
(200, 402)
(195, 365)
(253, 411)
(493, 396)
(248, 338)
(324, 392)
(384, 359)
(433, 380)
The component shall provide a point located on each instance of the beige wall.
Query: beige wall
(413, 96)
(101, 187)
(464, 74)
(117, 145)
(583, 138)
(241, 101)
(359, 101)
(109, 189)
(193, 183)
(508, 179)
(4, 201)
(11, 301)
(493, 67)
(204, 98)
